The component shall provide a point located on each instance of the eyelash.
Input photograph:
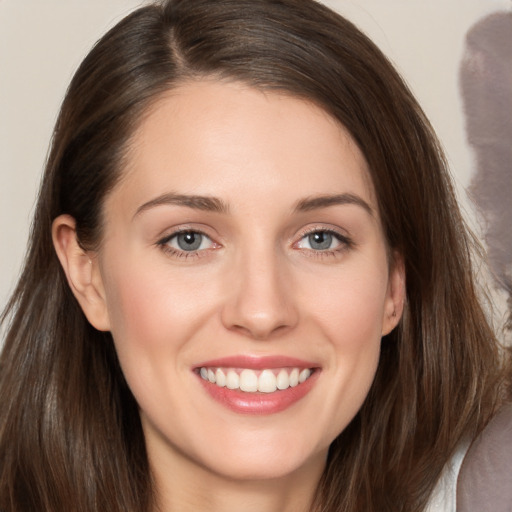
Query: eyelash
(345, 244)
(181, 254)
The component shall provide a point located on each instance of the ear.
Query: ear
(82, 272)
(395, 295)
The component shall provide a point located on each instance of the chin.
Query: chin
(265, 460)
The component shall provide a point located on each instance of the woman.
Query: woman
(249, 285)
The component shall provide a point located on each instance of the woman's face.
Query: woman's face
(245, 279)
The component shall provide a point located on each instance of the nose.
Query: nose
(260, 303)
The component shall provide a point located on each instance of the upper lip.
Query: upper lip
(257, 362)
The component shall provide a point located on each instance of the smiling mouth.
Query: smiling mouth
(256, 381)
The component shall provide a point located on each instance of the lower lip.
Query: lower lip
(259, 403)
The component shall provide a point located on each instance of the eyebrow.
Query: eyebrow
(324, 201)
(205, 203)
(214, 204)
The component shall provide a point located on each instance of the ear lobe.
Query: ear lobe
(82, 272)
(395, 297)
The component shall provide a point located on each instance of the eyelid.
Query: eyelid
(163, 242)
(344, 240)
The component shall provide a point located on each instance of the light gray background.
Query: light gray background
(42, 43)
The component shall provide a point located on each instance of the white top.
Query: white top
(444, 496)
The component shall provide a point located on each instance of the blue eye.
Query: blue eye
(188, 241)
(320, 241)
(323, 240)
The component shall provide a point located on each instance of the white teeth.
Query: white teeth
(248, 380)
(220, 378)
(294, 378)
(283, 381)
(232, 380)
(304, 375)
(267, 382)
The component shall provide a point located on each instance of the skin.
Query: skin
(256, 287)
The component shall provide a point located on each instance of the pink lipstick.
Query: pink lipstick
(257, 385)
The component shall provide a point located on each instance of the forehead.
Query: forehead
(222, 139)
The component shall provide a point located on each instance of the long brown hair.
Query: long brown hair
(70, 434)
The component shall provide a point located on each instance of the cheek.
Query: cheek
(155, 310)
(354, 326)
(350, 315)
(153, 317)
(351, 306)
(135, 309)
(149, 312)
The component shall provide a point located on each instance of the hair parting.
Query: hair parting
(70, 432)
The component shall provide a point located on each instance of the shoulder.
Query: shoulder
(443, 497)
(485, 478)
